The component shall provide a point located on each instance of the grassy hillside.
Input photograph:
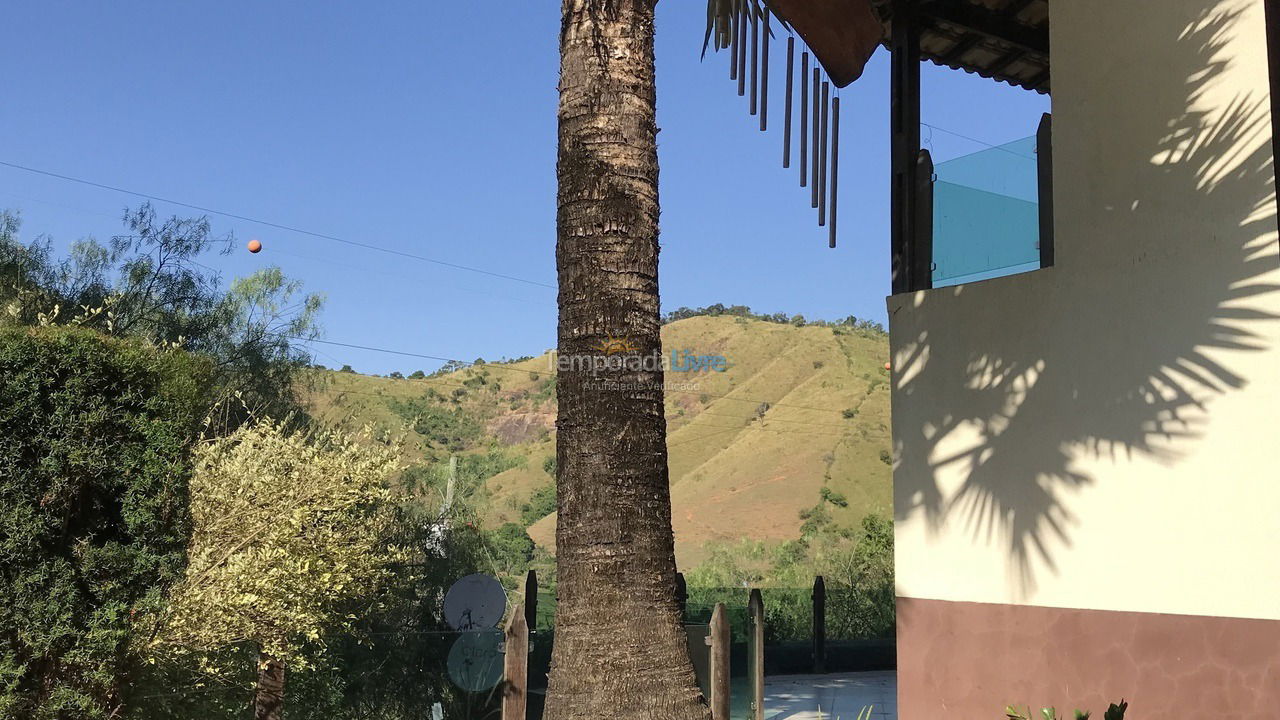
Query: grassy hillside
(751, 449)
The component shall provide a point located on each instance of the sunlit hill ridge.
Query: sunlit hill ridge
(797, 408)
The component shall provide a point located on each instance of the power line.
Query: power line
(756, 427)
(686, 441)
(268, 223)
(690, 424)
(772, 419)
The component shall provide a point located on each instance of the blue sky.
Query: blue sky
(429, 128)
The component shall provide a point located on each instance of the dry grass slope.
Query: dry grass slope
(739, 468)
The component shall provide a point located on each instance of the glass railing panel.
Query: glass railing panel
(986, 220)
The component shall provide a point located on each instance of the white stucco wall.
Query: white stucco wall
(1103, 434)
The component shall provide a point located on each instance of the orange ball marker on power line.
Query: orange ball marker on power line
(254, 246)
(887, 366)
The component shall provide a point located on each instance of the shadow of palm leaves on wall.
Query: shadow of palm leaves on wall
(1033, 416)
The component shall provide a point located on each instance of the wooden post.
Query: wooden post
(905, 140)
(819, 625)
(720, 640)
(755, 654)
(682, 595)
(1044, 177)
(531, 601)
(922, 247)
(515, 688)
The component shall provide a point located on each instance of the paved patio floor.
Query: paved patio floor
(823, 697)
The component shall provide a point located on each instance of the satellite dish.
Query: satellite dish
(475, 660)
(476, 602)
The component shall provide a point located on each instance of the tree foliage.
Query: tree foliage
(288, 529)
(541, 504)
(511, 548)
(95, 437)
(148, 284)
(386, 662)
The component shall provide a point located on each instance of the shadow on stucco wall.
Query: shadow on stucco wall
(1007, 392)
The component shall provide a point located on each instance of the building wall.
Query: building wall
(1086, 483)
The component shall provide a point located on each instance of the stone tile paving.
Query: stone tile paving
(838, 696)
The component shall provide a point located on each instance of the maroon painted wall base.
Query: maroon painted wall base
(970, 660)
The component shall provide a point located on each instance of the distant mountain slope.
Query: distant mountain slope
(799, 408)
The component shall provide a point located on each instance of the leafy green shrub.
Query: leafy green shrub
(475, 469)
(95, 441)
(833, 497)
(289, 529)
(512, 549)
(540, 505)
(388, 662)
(450, 428)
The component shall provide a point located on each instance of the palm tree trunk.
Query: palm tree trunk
(268, 696)
(620, 651)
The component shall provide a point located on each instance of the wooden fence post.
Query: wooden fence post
(755, 654)
(531, 601)
(720, 640)
(682, 595)
(515, 687)
(819, 625)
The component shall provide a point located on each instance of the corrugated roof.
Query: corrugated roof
(1006, 40)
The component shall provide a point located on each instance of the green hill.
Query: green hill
(800, 409)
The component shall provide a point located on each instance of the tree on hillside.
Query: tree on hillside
(620, 651)
(95, 439)
(288, 530)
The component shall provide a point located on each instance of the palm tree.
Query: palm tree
(620, 650)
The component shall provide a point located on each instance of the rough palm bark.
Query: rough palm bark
(268, 696)
(620, 651)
